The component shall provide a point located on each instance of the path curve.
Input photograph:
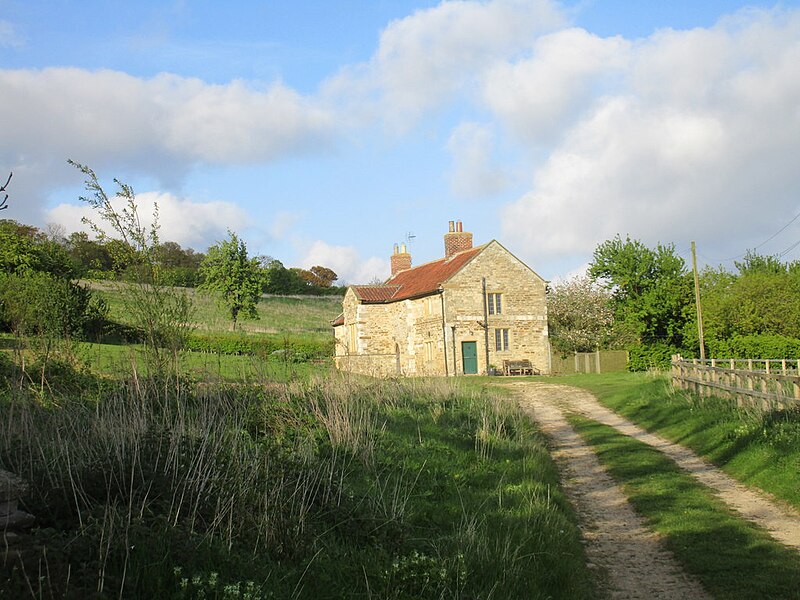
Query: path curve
(639, 567)
(782, 522)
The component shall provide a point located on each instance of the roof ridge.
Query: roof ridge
(444, 259)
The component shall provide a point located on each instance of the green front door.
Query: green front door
(469, 356)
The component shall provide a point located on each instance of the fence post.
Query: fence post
(783, 366)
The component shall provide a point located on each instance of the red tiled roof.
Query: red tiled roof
(375, 293)
(418, 281)
(338, 320)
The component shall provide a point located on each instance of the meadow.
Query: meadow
(265, 477)
(283, 315)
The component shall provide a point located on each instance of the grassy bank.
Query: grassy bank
(761, 449)
(334, 488)
(732, 558)
(307, 315)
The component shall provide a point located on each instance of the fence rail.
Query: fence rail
(766, 383)
(602, 361)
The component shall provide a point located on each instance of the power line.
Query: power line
(769, 239)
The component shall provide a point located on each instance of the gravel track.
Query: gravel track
(617, 539)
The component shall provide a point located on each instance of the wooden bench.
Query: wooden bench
(519, 367)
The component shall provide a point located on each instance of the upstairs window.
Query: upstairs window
(495, 302)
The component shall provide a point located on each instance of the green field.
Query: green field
(303, 315)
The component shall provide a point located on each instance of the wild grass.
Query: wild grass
(759, 448)
(334, 487)
(731, 558)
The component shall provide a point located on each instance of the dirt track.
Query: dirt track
(616, 537)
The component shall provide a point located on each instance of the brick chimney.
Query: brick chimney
(401, 259)
(456, 240)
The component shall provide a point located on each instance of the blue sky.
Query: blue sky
(325, 132)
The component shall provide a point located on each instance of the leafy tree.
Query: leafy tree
(651, 290)
(88, 255)
(755, 302)
(758, 263)
(580, 315)
(227, 269)
(319, 276)
(161, 312)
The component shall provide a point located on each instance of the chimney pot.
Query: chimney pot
(452, 226)
(456, 240)
(400, 260)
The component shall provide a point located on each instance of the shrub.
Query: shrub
(651, 356)
(294, 349)
(755, 346)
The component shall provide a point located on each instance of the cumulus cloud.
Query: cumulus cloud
(162, 126)
(345, 262)
(424, 59)
(183, 119)
(534, 97)
(697, 138)
(190, 224)
(473, 174)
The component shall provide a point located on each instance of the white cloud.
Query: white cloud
(535, 96)
(473, 174)
(162, 126)
(93, 114)
(424, 59)
(345, 262)
(698, 140)
(9, 38)
(190, 224)
(283, 222)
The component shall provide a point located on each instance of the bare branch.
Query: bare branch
(3, 204)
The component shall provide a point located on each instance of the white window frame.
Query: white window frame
(502, 339)
(494, 301)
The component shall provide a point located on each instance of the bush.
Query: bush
(755, 346)
(295, 349)
(40, 303)
(651, 356)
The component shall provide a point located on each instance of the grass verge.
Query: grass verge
(729, 556)
(760, 449)
(331, 488)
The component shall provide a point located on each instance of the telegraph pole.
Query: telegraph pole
(697, 303)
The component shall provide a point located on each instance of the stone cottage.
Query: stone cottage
(459, 315)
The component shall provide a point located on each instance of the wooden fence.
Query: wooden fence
(602, 361)
(766, 383)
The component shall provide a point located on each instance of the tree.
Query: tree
(228, 270)
(651, 290)
(159, 311)
(319, 276)
(580, 316)
(758, 263)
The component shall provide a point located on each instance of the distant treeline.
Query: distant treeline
(77, 256)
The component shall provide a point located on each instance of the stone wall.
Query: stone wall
(524, 309)
(407, 338)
